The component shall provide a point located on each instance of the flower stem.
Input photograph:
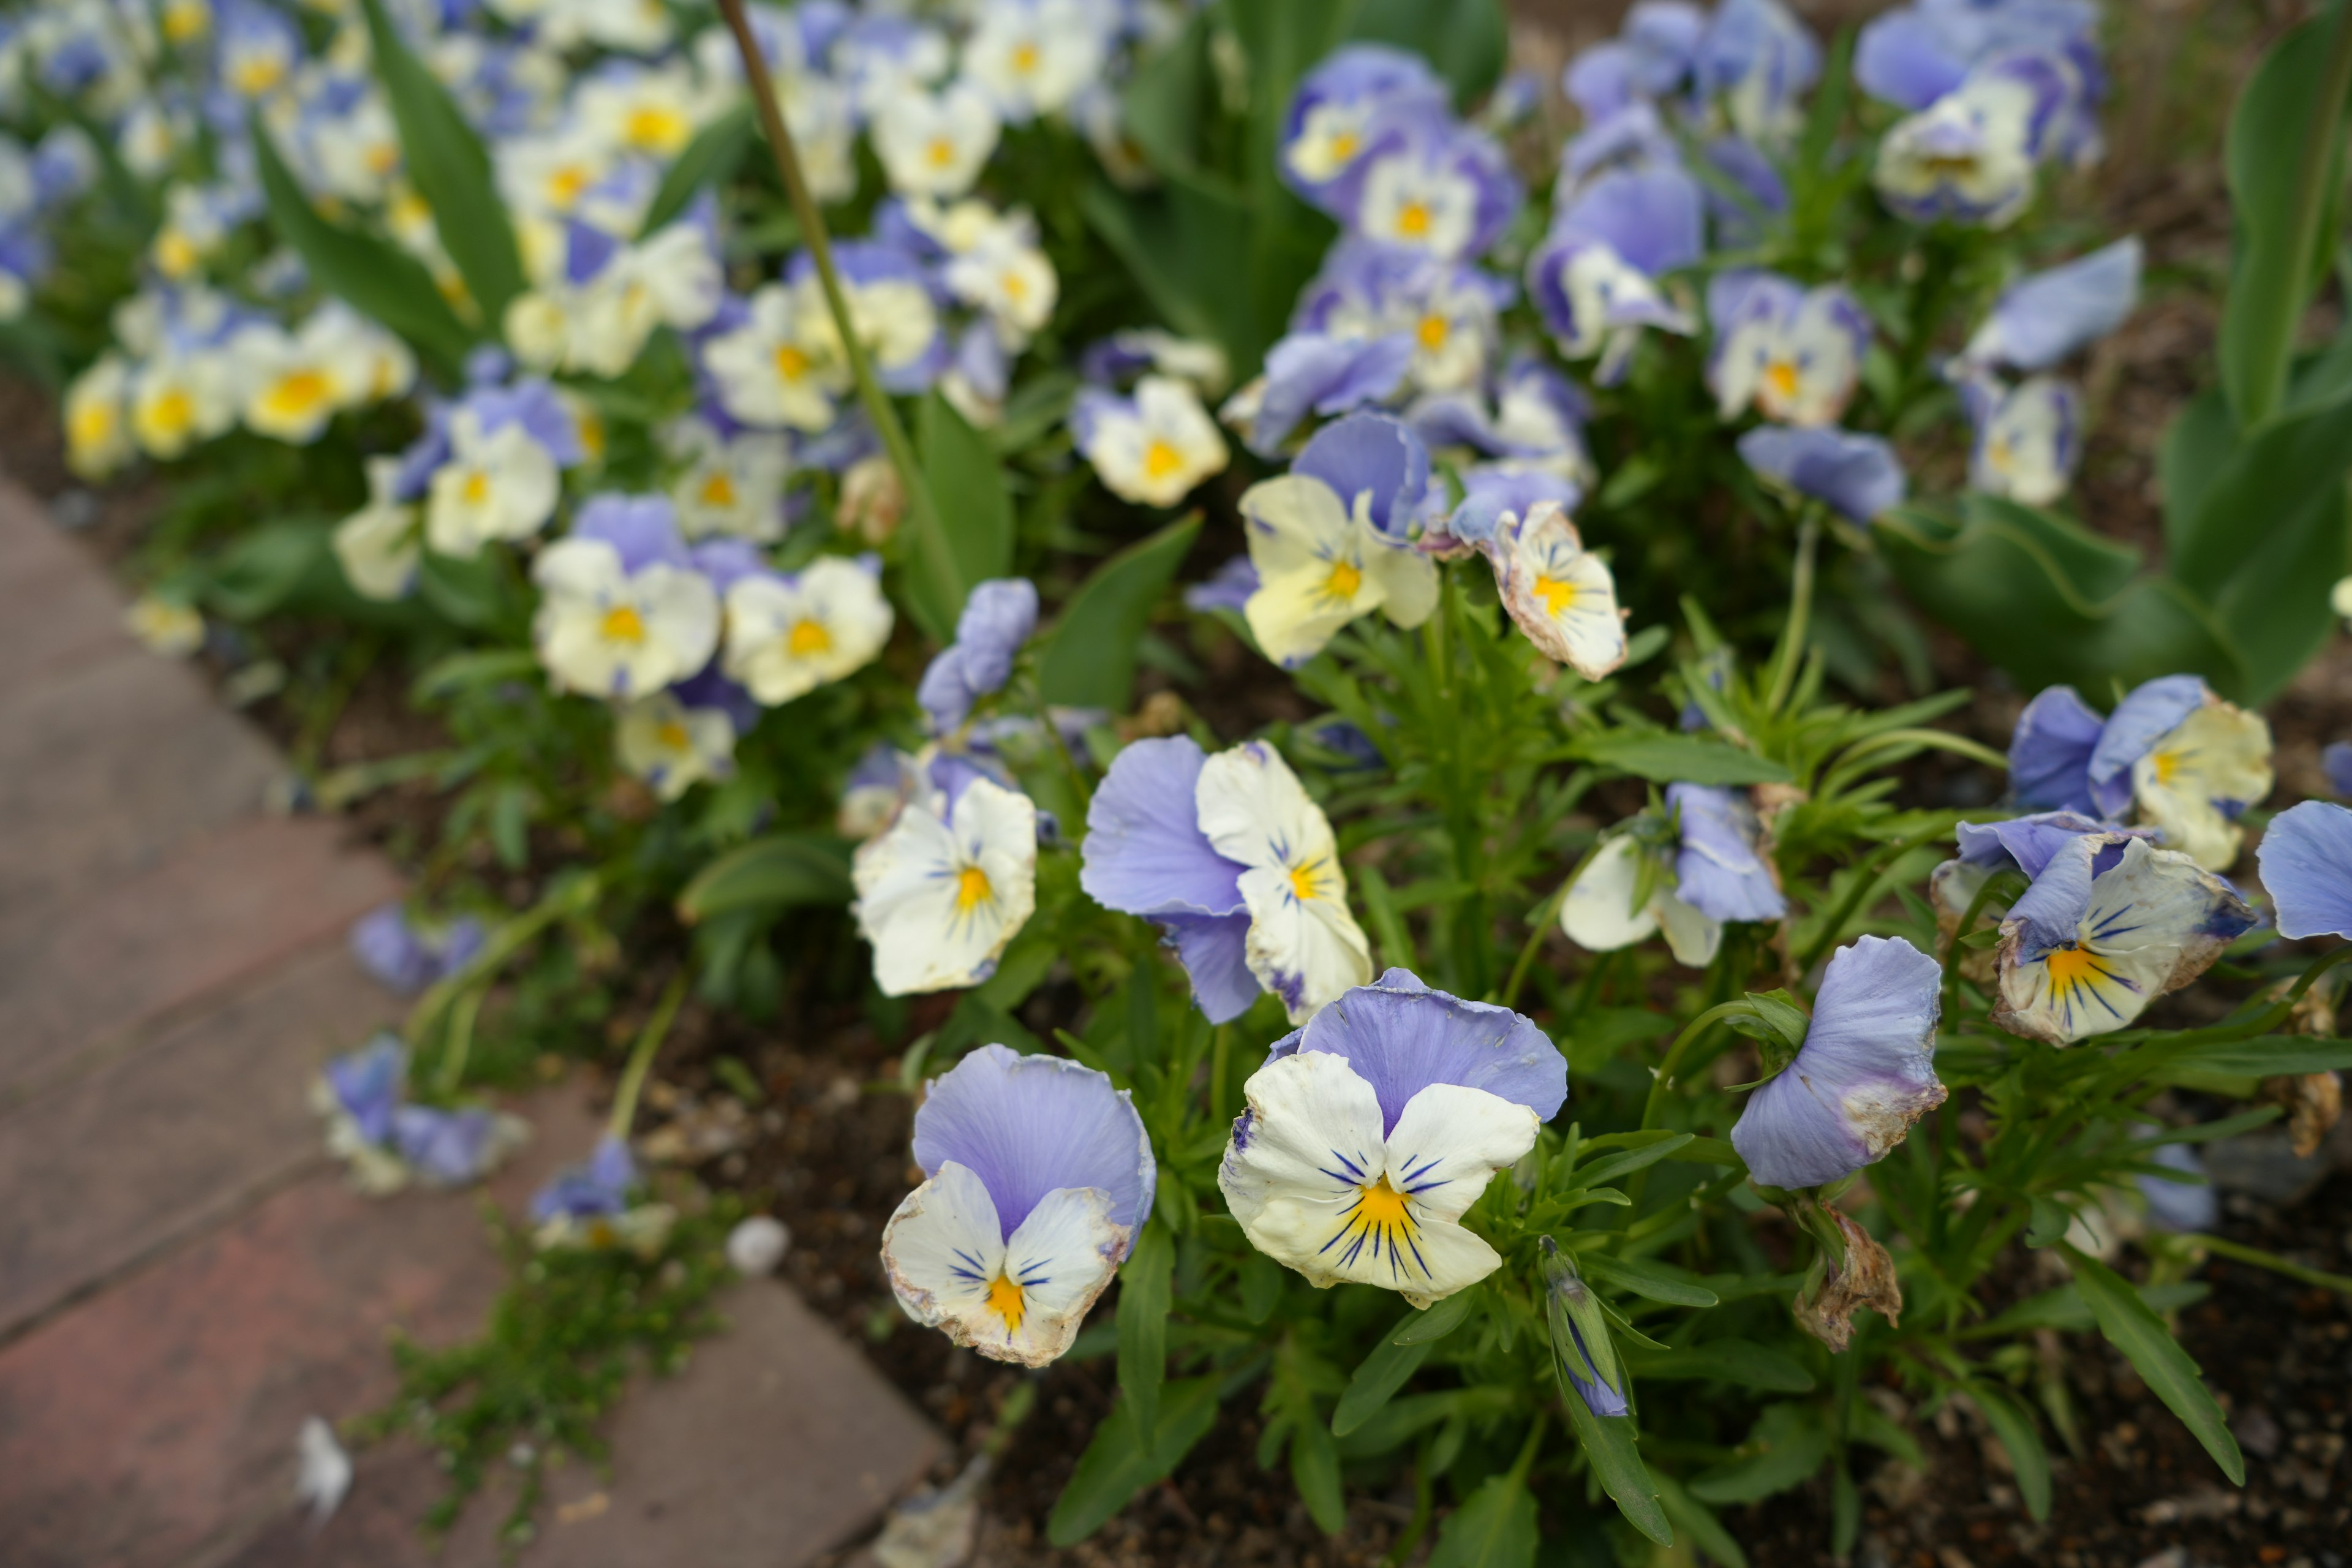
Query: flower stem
(1546, 912)
(1682, 1042)
(641, 1056)
(1800, 610)
(930, 533)
(461, 1038)
(569, 895)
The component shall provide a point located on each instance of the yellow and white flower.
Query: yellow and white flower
(502, 485)
(1033, 56)
(169, 628)
(1557, 592)
(1154, 448)
(97, 429)
(788, 636)
(934, 143)
(1303, 945)
(673, 747)
(611, 632)
(733, 486)
(2190, 783)
(180, 399)
(776, 369)
(1320, 563)
(378, 545)
(944, 888)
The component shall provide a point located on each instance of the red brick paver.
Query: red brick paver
(184, 1277)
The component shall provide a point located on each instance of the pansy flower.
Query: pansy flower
(1758, 60)
(97, 429)
(1152, 447)
(1971, 156)
(1331, 121)
(1038, 1175)
(2305, 857)
(587, 1206)
(1865, 1074)
(623, 612)
(891, 306)
(380, 545)
(1330, 538)
(1795, 353)
(2172, 755)
(388, 1142)
(1650, 57)
(1433, 185)
(405, 957)
(787, 634)
(732, 485)
(769, 369)
(997, 618)
(946, 886)
(2045, 316)
(1259, 904)
(2029, 438)
(1689, 882)
(1372, 1129)
(2110, 925)
(1913, 55)
(1320, 374)
(1033, 56)
(2023, 843)
(1855, 476)
(1447, 310)
(934, 143)
(499, 483)
(1594, 279)
(673, 747)
(1556, 591)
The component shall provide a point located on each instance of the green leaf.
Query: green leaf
(1665, 758)
(1657, 1281)
(707, 159)
(372, 276)
(2065, 1309)
(1743, 1361)
(2050, 1222)
(1662, 1148)
(2271, 1056)
(451, 170)
(1495, 1528)
(1262, 1285)
(1315, 1471)
(1609, 1448)
(967, 490)
(2292, 104)
(2013, 1424)
(1143, 1324)
(1440, 1319)
(1789, 1444)
(2134, 1329)
(783, 870)
(1089, 661)
(1380, 1375)
(1467, 40)
(1694, 1518)
(1114, 1467)
(262, 571)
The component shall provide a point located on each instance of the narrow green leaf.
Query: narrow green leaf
(1379, 1376)
(2065, 1309)
(451, 170)
(1656, 1281)
(2050, 1222)
(1609, 1447)
(1090, 660)
(1698, 1520)
(1440, 1319)
(1143, 1325)
(1632, 1160)
(1315, 1471)
(707, 159)
(2013, 1424)
(372, 276)
(1496, 1527)
(1114, 1467)
(1664, 758)
(781, 872)
(2272, 1056)
(1743, 1361)
(2133, 1328)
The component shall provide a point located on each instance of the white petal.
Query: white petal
(1061, 1257)
(1448, 1143)
(1406, 580)
(1692, 936)
(1254, 809)
(1311, 1138)
(1597, 914)
(1303, 944)
(943, 1248)
(2220, 752)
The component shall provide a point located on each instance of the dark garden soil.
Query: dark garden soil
(826, 1148)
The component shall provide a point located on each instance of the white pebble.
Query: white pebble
(757, 1244)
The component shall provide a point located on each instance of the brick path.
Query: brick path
(184, 1275)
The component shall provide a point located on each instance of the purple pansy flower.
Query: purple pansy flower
(405, 958)
(2045, 316)
(2306, 863)
(1718, 872)
(1857, 476)
(997, 618)
(597, 1189)
(1315, 372)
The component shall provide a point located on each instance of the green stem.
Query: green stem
(1682, 1042)
(1541, 920)
(2271, 1261)
(2266, 381)
(1800, 609)
(1873, 872)
(1221, 1056)
(1952, 953)
(461, 1038)
(641, 1056)
(930, 533)
(569, 896)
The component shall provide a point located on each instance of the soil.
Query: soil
(826, 1150)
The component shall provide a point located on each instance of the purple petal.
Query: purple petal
(2335, 762)
(1227, 588)
(1213, 950)
(2153, 711)
(643, 529)
(1370, 454)
(1905, 59)
(2027, 843)
(1652, 217)
(446, 1147)
(997, 619)
(2305, 857)
(1718, 873)
(1311, 373)
(1030, 1125)
(1401, 1036)
(394, 955)
(367, 1082)
(1856, 475)
(1145, 853)
(2044, 318)
(2050, 752)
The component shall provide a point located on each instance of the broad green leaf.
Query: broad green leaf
(2133, 1328)
(451, 170)
(263, 571)
(1788, 1443)
(967, 490)
(2198, 444)
(2013, 1424)
(1665, 758)
(1743, 1361)
(1656, 1281)
(1143, 1325)
(375, 277)
(1114, 1467)
(1467, 40)
(2290, 106)
(1315, 1471)
(780, 871)
(1495, 1528)
(1380, 1375)
(2272, 1056)
(705, 161)
(1697, 1520)
(1609, 1448)
(1090, 660)
(1440, 1319)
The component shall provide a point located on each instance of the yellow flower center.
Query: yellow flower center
(1950, 166)
(185, 19)
(1024, 56)
(92, 424)
(1381, 1220)
(1780, 379)
(257, 74)
(1434, 331)
(1558, 597)
(1344, 145)
(299, 394)
(565, 185)
(2074, 969)
(656, 128)
(1006, 1300)
(941, 152)
(672, 735)
(2168, 766)
(1015, 287)
(173, 413)
(972, 891)
(382, 158)
(791, 362)
(623, 623)
(719, 490)
(175, 253)
(1161, 460)
(477, 487)
(1412, 221)
(808, 637)
(1345, 579)
(1304, 881)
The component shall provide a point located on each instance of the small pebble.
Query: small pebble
(756, 1246)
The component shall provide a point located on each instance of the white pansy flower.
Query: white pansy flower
(945, 888)
(502, 485)
(652, 111)
(733, 486)
(773, 371)
(2028, 439)
(1606, 908)
(673, 747)
(1033, 56)
(180, 399)
(98, 432)
(934, 144)
(165, 627)
(788, 636)
(1304, 945)
(377, 545)
(611, 632)
(1152, 448)
(2194, 779)
(1557, 592)
(1320, 563)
